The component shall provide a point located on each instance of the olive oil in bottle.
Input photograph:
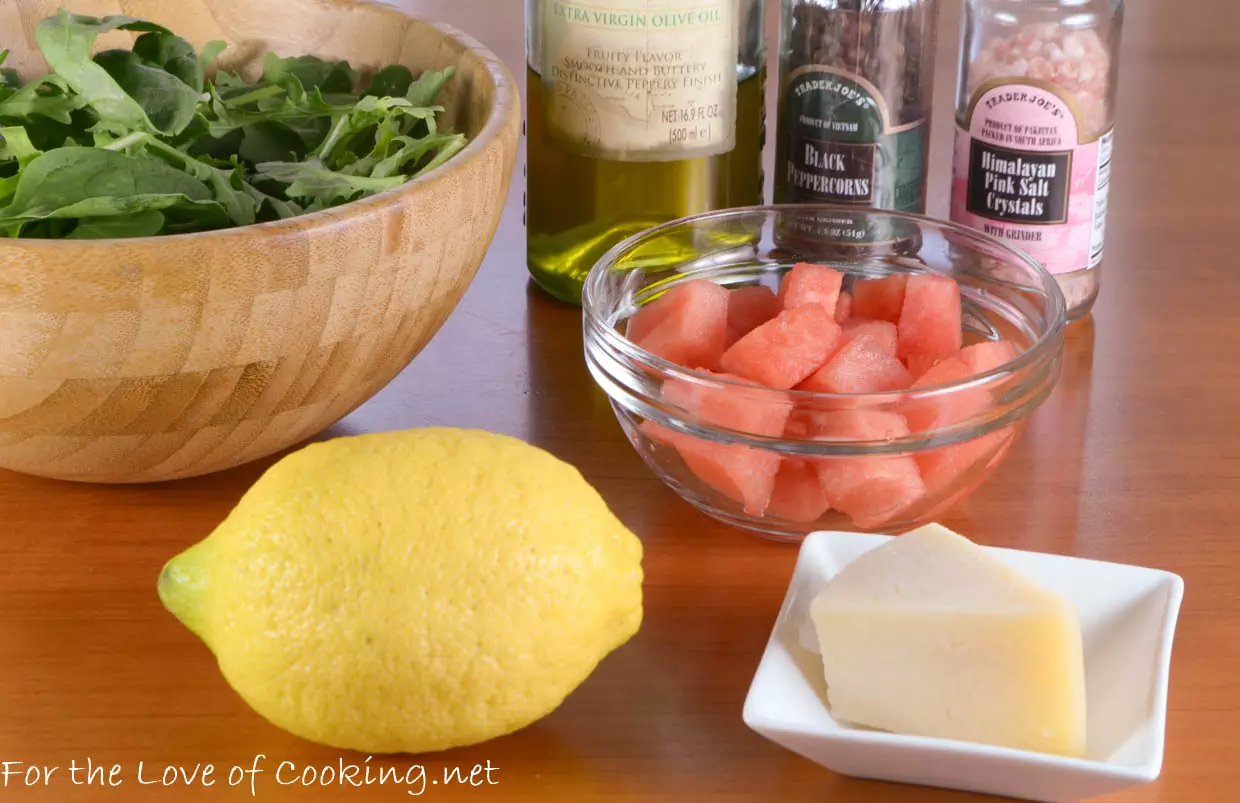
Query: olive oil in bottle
(639, 112)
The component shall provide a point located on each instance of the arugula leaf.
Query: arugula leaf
(173, 55)
(227, 115)
(369, 111)
(210, 52)
(314, 181)
(15, 144)
(10, 81)
(312, 72)
(168, 102)
(66, 40)
(428, 86)
(225, 82)
(271, 207)
(445, 147)
(146, 223)
(47, 97)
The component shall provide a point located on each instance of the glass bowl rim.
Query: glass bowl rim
(1048, 343)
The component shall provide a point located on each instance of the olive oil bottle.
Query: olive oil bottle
(639, 112)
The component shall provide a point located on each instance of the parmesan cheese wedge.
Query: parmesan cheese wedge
(930, 635)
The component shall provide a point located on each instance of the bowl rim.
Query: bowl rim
(506, 101)
(1045, 347)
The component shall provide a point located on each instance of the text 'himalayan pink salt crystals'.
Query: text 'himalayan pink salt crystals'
(1035, 119)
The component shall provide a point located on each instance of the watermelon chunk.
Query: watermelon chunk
(749, 308)
(863, 365)
(802, 424)
(659, 433)
(741, 473)
(852, 424)
(944, 371)
(930, 317)
(808, 284)
(729, 408)
(920, 364)
(980, 472)
(688, 325)
(882, 331)
(798, 494)
(843, 308)
(950, 407)
(943, 469)
(954, 472)
(880, 299)
(871, 490)
(987, 356)
(782, 352)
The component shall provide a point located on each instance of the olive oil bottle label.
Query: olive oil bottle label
(842, 148)
(640, 80)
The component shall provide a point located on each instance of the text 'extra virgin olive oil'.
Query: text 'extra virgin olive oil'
(639, 112)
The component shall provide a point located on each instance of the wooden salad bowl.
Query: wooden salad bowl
(165, 357)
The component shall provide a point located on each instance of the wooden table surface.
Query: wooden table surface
(1135, 458)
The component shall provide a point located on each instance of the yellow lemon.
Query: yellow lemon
(411, 591)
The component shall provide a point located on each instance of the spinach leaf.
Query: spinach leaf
(48, 134)
(146, 223)
(8, 186)
(66, 40)
(271, 141)
(66, 177)
(173, 55)
(390, 82)
(225, 184)
(312, 72)
(110, 206)
(209, 147)
(168, 102)
(195, 216)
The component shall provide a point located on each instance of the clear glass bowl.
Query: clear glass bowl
(723, 470)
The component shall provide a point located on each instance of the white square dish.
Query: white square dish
(1128, 617)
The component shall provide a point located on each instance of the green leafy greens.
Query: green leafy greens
(143, 142)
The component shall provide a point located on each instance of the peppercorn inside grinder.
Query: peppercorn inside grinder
(855, 93)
